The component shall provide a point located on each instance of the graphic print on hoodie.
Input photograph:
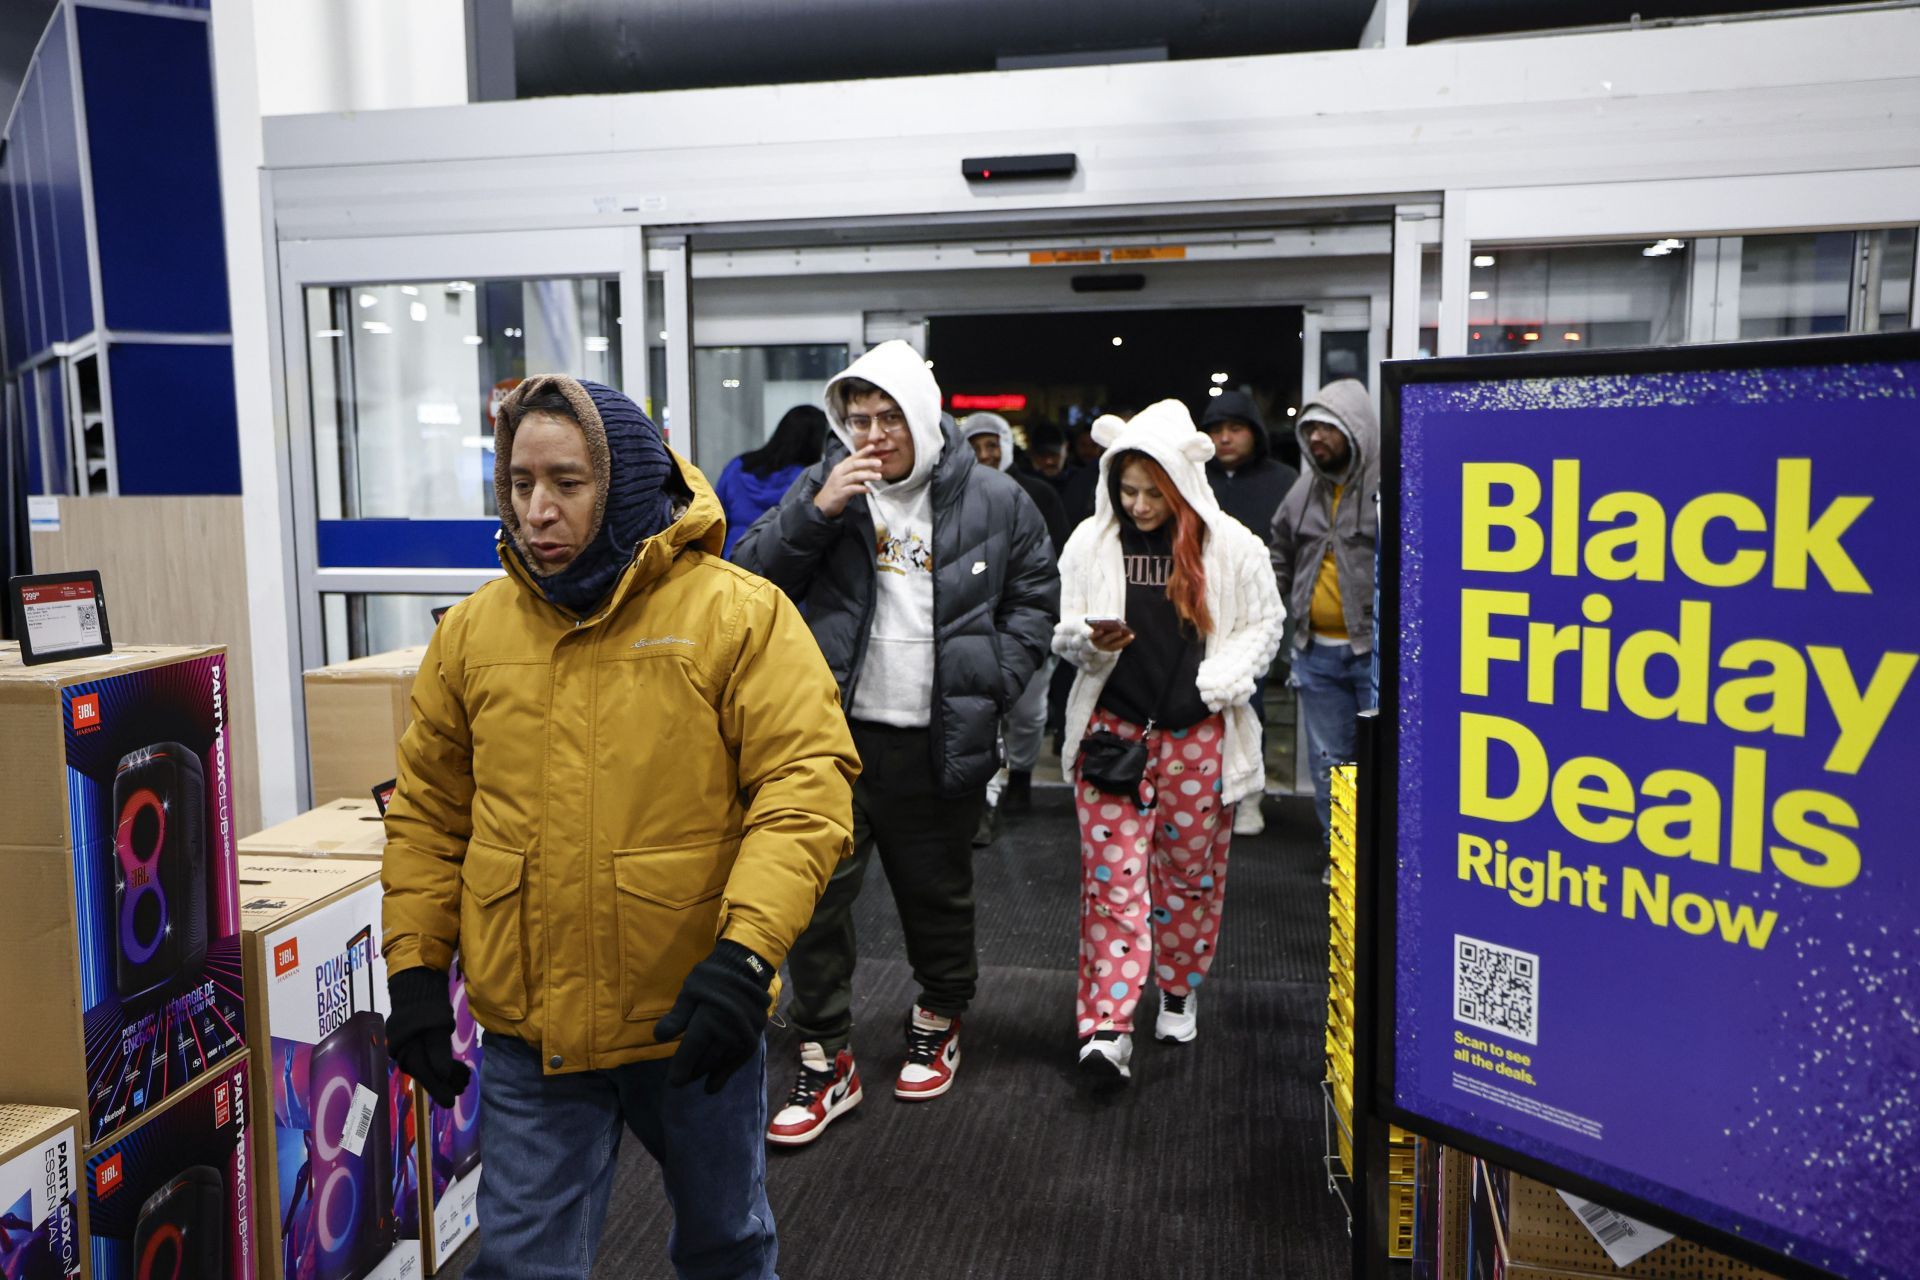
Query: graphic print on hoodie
(895, 685)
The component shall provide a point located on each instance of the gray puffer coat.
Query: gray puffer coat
(993, 624)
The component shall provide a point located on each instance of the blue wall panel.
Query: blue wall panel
(26, 147)
(407, 544)
(69, 227)
(12, 266)
(175, 428)
(148, 86)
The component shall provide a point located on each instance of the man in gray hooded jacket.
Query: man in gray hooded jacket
(930, 586)
(1322, 544)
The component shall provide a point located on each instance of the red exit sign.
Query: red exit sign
(1004, 403)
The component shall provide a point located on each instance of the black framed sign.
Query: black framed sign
(59, 615)
(1650, 866)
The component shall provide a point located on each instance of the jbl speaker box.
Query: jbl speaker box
(39, 1193)
(121, 912)
(173, 1197)
(337, 829)
(450, 1143)
(340, 1183)
(356, 712)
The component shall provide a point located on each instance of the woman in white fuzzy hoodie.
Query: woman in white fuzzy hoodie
(1169, 609)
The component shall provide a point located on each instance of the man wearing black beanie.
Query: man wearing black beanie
(624, 787)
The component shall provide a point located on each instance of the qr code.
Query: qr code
(1496, 988)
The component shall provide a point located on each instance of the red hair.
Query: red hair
(1187, 584)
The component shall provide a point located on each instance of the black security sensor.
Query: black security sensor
(1015, 168)
(1110, 282)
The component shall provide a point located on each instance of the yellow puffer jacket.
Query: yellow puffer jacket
(586, 805)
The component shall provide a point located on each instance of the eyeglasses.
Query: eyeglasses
(892, 422)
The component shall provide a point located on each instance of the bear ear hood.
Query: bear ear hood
(1165, 433)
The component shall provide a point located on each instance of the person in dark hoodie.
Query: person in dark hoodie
(930, 585)
(752, 483)
(624, 788)
(991, 438)
(1249, 483)
(1322, 542)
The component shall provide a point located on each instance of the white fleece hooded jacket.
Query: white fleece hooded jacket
(896, 686)
(1249, 619)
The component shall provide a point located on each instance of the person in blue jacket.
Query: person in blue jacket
(753, 482)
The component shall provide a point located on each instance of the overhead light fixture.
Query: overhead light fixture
(477, 442)
(376, 326)
(1530, 336)
(1291, 411)
(663, 335)
(1570, 336)
(330, 333)
(730, 383)
(473, 339)
(1661, 248)
(1482, 259)
(1213, 391)
(1219, 377)
(459, 286)
(418, 311)
(597, 344)
(1117, 340)
(437, 413)
(1477, 295)
(929, 364)
(368, 299)
(410, 290)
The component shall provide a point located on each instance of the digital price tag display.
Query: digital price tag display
(383, 794)
(59, 615)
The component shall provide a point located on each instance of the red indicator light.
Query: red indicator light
(1002, 403)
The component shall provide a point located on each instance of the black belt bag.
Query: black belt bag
(1114, 764)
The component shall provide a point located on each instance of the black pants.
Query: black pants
(925, 841)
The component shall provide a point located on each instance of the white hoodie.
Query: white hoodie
(896, 679)
(1242, 597)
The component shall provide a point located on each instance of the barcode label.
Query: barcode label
(1626, 1240)
(1496, 988)
(360, 1119)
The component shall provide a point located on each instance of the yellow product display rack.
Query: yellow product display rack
(1340, 1084)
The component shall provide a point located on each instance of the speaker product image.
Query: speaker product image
(181, 1232)
(353, 1217)
(159, 870)
(462, 1120)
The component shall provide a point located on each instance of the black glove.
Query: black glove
(420, 1033)
(722, 1009)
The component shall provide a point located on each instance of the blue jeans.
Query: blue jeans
(1336, 685)
(547, 1147)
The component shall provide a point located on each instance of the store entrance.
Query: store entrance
(1065, 368)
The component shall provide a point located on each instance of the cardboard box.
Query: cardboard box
(174, 1196)
(356, 712)
(340, 829)
(1547, 1241)
(121, 909)
(39, 1193)
(450, 1143)
(337, 1115)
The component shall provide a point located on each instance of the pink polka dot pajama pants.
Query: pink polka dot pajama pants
(1174, 848)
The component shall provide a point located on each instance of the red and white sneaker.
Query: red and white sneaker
(933, 1055)
(820, 1092)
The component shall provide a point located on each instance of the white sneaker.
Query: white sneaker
(1107, 1056)
(1179, 1020)
(1247, 819)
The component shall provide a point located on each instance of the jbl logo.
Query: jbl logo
(106, 1179)
(286, 957)
(86, 713)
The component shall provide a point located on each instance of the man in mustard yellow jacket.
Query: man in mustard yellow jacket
(626, 783)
